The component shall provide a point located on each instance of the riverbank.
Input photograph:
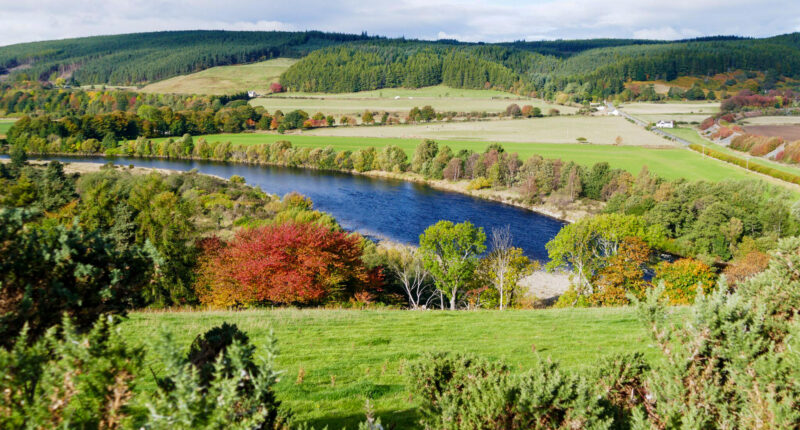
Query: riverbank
(545, 287)
(569, 213)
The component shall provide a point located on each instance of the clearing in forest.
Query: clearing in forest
(225, 79)
(400, 101)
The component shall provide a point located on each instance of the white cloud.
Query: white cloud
(666, 33)
(468, 20)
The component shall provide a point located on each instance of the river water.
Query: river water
(376, 207)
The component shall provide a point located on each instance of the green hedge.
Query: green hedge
(741, 162)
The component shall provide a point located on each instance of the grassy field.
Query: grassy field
(671, 163)
(560, 129)
(680, 117)
(436, 91)
(670, 108)
(399, 100)
(225, 79)
(349, 356)
(5, 125)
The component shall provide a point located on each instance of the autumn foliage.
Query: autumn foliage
(682, 278)
(624, 274)
(290, 263)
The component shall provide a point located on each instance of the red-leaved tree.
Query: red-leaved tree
(291, 263)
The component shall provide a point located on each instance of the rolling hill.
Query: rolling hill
(343, 63)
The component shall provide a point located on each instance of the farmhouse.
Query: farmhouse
(252, 94)
(665, 124)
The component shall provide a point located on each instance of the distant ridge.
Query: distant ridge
(336, 62)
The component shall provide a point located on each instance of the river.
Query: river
(377, 207)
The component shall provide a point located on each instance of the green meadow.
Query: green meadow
(5, 125)
(349, 356)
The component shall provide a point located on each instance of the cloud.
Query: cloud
(467, 20)
(666, 33)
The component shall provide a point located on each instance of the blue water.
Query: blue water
(380, 208)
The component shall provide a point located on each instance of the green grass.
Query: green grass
(670, 163)
(5, 125)
(433, 91)
(368, 351)
(225, 79)
(442, 98)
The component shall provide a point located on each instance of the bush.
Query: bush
(68, 380)
(289, 263)
(232, 389)
(683, 278)
(464, 392)
(48, 272)
(479, 183)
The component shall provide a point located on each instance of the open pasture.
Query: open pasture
(592, 129)
(225, 79)
(400, 101)
(349, 356)
(645, 108)
(5, 125)
(677, 117)
(670, 163)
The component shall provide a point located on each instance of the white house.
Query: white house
(665, 124)
(252, 94)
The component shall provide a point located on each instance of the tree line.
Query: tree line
(131, 59)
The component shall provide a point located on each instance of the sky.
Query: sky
(465, 20)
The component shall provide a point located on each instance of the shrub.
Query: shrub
(464, 392)
(682, 279)
(238, 394)
(209, 347)
(286, 263)
(479, 183)
(68, 380)
(47, 272)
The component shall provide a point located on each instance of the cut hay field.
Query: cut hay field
(594, 129)
(225, 79)
(670, 108)
(787, 132)
(772, 120)
(670, 163)
(349, 356)
(400, 101)
(678, 117)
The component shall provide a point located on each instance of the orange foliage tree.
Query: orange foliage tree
(745, 267)
(291, 263)
(682, 278)
(623, 274)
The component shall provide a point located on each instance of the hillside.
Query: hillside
(574, 70)
(224, 79)
(147, 57)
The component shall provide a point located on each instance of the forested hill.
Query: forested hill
(332, 62)
(146, 57)
(591, 68)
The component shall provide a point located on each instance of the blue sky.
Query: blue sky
(477, 20)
